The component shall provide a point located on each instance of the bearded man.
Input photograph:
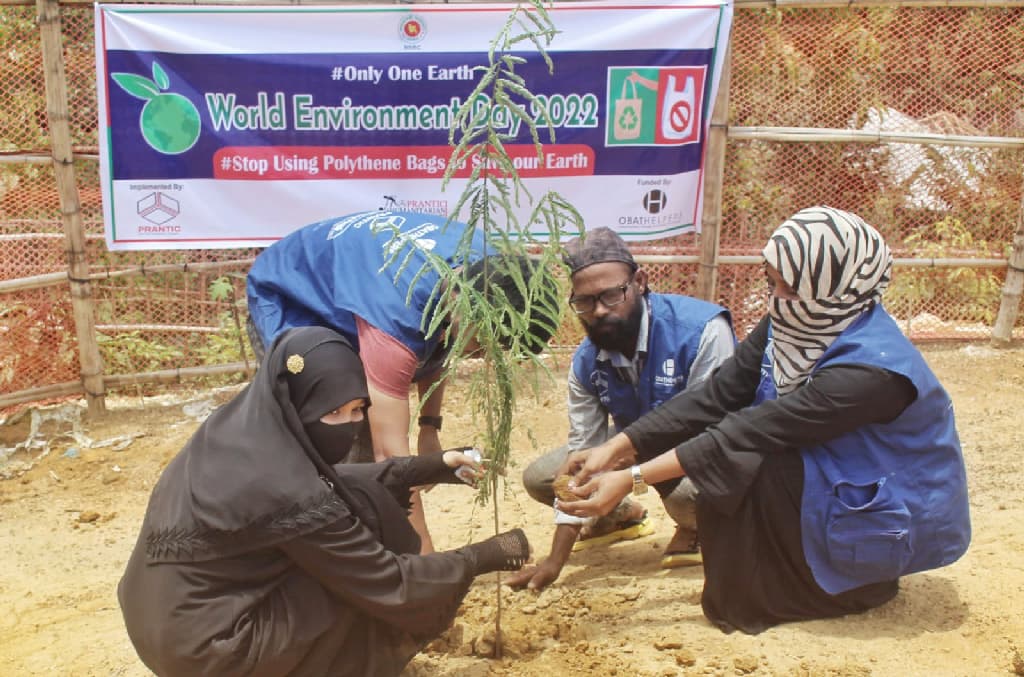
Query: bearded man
(642, 348)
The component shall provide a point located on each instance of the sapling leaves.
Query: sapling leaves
(513, 316)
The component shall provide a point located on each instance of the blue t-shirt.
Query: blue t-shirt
(380, 265)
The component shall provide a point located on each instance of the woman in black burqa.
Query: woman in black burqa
(257, 556)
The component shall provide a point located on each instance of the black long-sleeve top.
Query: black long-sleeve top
(720, 438)
(264, 611)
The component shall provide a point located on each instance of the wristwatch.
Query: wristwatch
(432, 421)
(639, 486)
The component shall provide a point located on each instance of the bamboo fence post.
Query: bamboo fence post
(740, 5)
(1002, 331)
(711, 214)
(165, 376)
(91, 364)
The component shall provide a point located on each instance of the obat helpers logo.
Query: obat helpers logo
(654, 106)
(169, 122)
(411, 29)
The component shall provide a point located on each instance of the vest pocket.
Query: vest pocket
(868, 533)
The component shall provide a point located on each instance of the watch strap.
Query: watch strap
(432, 421)
(639, 485)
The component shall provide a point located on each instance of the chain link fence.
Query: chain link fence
(816, 97)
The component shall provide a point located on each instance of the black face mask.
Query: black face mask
(333, 442)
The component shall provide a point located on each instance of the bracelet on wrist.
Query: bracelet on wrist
(432, 421)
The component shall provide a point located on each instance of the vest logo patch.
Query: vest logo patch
(668, 376)
(359, 220)
(600, 382)
(386, 222)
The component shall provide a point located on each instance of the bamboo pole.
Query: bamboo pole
(1009, 304)
(91, 364)
(755, 259)
(159, 328)
(714, 170)
(25, 158)
(739, 4)
(869, 4)
(51, 279)
(760, 133)
(767, 133)
(33, 282)
(174, 375)
(119, 381)
(41, 393)
(236, 3)
(39, 158)
(822, 135)
(174, 267)
(35, 237)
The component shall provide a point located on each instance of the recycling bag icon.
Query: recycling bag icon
(627, 113)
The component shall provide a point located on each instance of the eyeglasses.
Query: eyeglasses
(612, 296)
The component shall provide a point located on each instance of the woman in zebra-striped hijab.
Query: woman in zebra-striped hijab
(825, 451)
(835, 266)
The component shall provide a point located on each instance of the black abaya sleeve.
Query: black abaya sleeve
(399, 474)
(722, 457)
(729, 388)
(418, 594)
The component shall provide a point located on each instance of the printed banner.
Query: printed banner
(233, 126)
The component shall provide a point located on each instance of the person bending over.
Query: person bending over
(371, 277)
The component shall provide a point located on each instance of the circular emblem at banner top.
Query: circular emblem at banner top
(412, 29)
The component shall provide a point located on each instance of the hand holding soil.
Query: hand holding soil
(562, 490)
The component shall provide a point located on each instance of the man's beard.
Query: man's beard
(617, 334)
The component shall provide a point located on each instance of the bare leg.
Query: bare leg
(418, 519)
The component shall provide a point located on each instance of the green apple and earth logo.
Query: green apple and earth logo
(169, 122)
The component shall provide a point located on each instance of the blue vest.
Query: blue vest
(369, 265)
(673, 338)
(887, 499)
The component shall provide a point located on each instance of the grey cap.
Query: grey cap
(601, 245)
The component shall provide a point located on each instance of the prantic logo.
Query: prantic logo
(433, 207)
(158, 208)
(669, 367)
(412, 30)
(655, 201)
(654, 106)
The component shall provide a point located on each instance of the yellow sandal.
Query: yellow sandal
(627, 531)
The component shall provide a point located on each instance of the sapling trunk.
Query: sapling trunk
(490, 202)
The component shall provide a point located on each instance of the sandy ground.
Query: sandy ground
(68, 521)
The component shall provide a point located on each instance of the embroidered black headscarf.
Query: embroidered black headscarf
(252, 475)
(322, 373)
